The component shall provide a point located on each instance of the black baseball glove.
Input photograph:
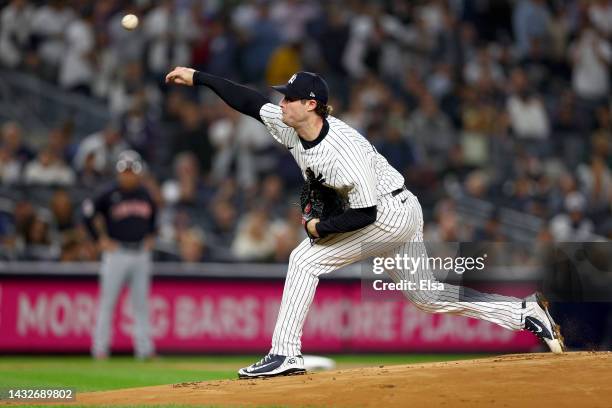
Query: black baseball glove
(319, 201)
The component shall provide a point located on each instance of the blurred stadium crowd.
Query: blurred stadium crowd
(497, 112)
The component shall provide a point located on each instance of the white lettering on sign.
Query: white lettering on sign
(159, 319)
(227, 317)
(85, 314)
(31, 316)
(344, 320)
(439, 328)
(59, 314)
(326, 319)
(374, 320)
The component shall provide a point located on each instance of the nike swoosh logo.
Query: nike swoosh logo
(404, 200)
(537, 326)
(262, 366)
(290, 148)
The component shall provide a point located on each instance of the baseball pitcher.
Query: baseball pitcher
(374, 208)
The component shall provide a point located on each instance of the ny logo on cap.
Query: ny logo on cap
(292, 78)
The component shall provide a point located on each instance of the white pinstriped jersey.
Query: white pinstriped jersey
(347, 160)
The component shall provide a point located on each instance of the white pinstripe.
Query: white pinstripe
(348, 162)
(396, 222)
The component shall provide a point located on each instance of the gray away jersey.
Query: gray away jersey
(347, 160)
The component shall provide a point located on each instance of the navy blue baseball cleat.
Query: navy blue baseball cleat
(542, 324)
(273, 365)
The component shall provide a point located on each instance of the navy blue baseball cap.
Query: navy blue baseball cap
(305, 85)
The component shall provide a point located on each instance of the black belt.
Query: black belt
(399, 190)
(131, 245)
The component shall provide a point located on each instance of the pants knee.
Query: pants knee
(423, 299)
(299, 265)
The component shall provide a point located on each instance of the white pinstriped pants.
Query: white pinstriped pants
(396, 222)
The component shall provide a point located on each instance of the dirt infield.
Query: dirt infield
(534, 380)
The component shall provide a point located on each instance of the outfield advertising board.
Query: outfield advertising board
(200, 315)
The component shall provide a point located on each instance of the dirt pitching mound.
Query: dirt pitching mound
(522, 380)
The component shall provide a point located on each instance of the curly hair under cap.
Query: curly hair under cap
(323, 110)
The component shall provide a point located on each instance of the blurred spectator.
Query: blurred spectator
(257, 152)
(192, 136)
(127, 46)
(222, 231)
(37, 240)
(596, 183)
(591, 56)
(139, 129)
(491, 231)
(602, 136)
(527, 113)
(333, 37)
(456, 169)
(260, 36)
(396, 150)
(15, 23)
(559, 30)
(223, 49)
(187, 187)
(10, 167)
(431, 129)
(168, 31)
(105, 66)
(12, 141)
(292, 17)
(49, 22)
(375, 43)
(440, 83)
(572, 226)
(445, 227)
(105, 147)
(89, 176)
(192, 246)
(600, 14)
(531, 20)
(8, 236)
(477, 184)
(74, 243)
(48, 170)
(78, 63)
(77, 247)
(284, 62)
(483, 65)
(271, 194)
(62, 210)
(255, 238)
(60, 143)
(128, 90)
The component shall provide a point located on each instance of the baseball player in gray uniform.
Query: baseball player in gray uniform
(122, 219)
(383, 218)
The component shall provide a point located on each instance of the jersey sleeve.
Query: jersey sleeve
(271, 115)
(359, 176)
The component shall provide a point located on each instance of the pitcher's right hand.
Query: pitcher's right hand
(181, 76)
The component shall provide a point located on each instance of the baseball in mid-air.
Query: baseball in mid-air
(129, 21)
